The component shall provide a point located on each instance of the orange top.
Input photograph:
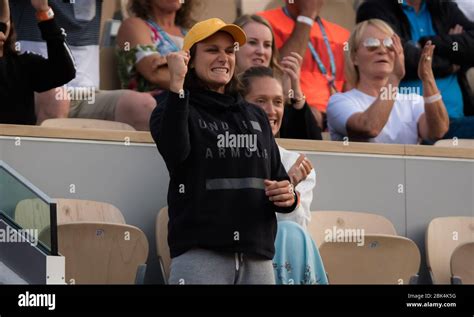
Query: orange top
(313, 83)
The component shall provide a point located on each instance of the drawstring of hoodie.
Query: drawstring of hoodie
(239, 259)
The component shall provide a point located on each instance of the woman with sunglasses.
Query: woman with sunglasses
(375, 110)
(226, 176)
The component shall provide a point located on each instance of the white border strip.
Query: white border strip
(430, 158)
(134, 144)
(55, 140)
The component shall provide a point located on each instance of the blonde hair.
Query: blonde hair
(352, 72)
(245, 19)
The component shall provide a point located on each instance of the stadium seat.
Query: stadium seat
(460, 143)
(162, 242)
(109, 77)
(32, 214)
(321, 221)
(462, 264)
(74, 210)
(102, 253)
(76, 123)
(443, 236)
(382, 259)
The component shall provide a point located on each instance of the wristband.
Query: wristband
(305, 20)
(432, 99)
(45, 15)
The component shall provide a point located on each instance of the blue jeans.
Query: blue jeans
(461, 128)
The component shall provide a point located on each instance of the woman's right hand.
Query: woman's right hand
(399, 61)
(178, 67)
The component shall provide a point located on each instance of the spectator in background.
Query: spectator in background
(260, 50)
(263, 87)
(296, 257)
(143, 42)
(223, 194)
(23, 74)
(442, 23)
(299, 28)
(374, 110)
(81, 20)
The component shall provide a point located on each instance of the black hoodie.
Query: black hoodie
(216, 195)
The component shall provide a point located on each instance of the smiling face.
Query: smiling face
(215, 61)
(258, 49)
(376, 63)
(267, 93)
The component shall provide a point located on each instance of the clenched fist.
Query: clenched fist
(309, 8)
(178, 67)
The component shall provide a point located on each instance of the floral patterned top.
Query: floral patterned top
(164, 44)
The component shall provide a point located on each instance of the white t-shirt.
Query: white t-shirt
(302, 214)
(401, 127)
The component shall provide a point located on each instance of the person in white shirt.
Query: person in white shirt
(262, 87)
(297, 259)
(376, 110)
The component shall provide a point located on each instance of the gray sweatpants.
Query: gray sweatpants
(201, 266)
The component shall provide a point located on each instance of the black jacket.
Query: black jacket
(216, 196)
(445, 14)
(22, 75)
(299, 124)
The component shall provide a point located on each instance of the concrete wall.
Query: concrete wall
(408, 191)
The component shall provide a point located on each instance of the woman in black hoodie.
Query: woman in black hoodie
(226, 176)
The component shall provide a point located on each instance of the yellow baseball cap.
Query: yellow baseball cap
(204, 29)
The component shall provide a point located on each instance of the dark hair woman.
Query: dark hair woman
(226, 176)
(22, 75)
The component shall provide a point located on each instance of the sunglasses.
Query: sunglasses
(372, 44)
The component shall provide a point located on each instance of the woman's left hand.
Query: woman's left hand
(281, 193)
(40, 5)
(300, 170)
(425, 69)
